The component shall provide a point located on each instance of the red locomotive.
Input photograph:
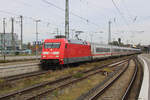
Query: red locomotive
(63, 51)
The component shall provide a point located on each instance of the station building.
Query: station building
(10, 45)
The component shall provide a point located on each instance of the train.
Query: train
(62, 51)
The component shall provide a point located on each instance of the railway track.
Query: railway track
(22, 76)
(18, 62)
(39, 90)
(25, 75)
(18, 69)
(101, 90)
(18, 59)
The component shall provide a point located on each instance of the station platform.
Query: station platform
(145, 88)
(18, 58)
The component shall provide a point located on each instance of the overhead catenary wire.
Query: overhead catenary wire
(43, 21)
(128, 11)
(121, 14)
(76, 15)
(23, 2)
(27, 17)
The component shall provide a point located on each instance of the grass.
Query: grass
(2, 82)
(75, 90)
(52, 75)
(7, 61)
(107, 70)
(78, 75)
(55, 93)
(2, 61)
(5, 85)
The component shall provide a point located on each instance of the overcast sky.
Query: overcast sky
(130, 19)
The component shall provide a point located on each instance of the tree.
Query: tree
(60, 36)
(119, 41)
(114, 43)
(29, 45)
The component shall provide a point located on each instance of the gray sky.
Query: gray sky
(131, 21)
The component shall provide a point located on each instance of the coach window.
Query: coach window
(102, 50)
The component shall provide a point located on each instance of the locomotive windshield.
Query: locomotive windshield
(51, 45)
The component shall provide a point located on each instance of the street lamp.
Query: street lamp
(36, 44)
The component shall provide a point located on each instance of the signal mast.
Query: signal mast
(67, 19)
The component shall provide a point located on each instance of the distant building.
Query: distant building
(9, 46)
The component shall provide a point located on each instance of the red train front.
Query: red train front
(62, 51)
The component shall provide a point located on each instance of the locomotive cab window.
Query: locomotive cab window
(51, 45)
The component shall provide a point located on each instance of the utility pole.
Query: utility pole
(57, 31)
(109, 36)
(2, 43)
(36, 44)
(12, 32)
(67, 19)
(109, 32)
(21, 20)
(4, 39)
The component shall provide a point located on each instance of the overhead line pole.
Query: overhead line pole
(2, 43)
(109, 32)
(12, 32)
(4, 39)
(109, 36)
(21, 19)
(67, 19)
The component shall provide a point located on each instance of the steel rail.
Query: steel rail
(53, 82)
(131, 82)
(101, 91)
(26, 75)
(19, 66)
(66, 84)
(19, 62)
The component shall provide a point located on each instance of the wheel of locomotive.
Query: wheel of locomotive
(44, 66)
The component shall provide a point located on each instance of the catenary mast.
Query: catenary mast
(67, 19)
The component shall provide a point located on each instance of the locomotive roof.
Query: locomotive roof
(68, 40)
(77, 41)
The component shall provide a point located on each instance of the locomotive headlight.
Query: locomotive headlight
(55, 53)
(44, 56)
(45, 53)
